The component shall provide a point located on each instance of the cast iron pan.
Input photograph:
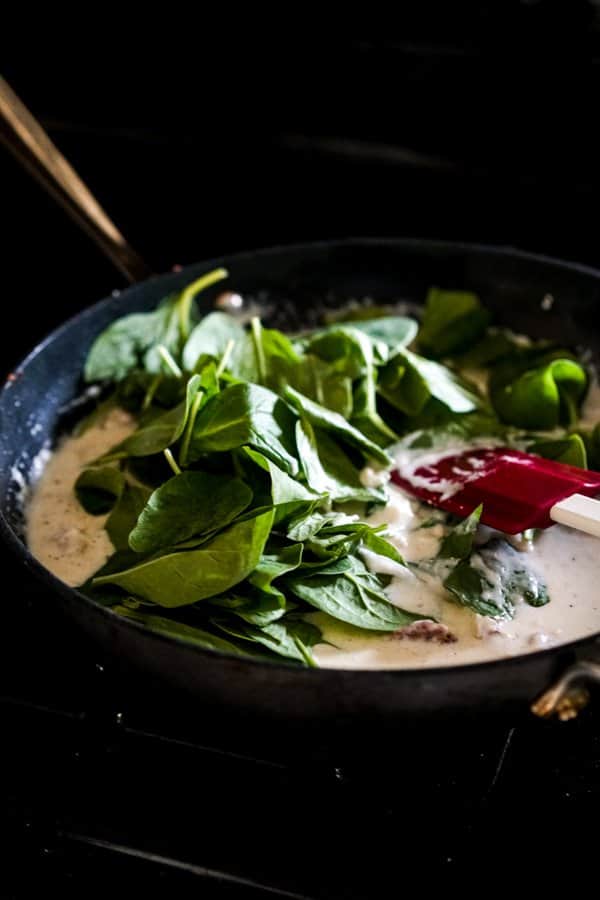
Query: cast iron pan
(294, 286)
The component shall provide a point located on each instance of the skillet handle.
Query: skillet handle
(22, 134)
(569, 694)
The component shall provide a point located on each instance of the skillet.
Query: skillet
(294, 286)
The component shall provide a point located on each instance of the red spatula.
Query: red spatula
(518, 490)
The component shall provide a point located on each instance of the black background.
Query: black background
(468, 122)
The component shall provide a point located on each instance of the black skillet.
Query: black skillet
(295, 285)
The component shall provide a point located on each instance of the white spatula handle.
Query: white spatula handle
(578, 512)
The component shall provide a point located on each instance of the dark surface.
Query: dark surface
(506, 99)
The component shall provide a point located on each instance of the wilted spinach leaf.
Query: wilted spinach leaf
(459, 542)
(493, 580)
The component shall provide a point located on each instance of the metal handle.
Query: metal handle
(569, 695)
(25, 137)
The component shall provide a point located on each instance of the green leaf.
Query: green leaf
(289, 496)
(160, 431)
(332, 422)
(210, 337)
(263, 602)
(328, 470)
(122, 347)
(347, 350)
(246, 414)
(98, 488)
(459, 542)
(452, 321)
(365, 416)
(125, 515)
(347, 591)
(408, 381)
(378, 544)
(184, 577)
(570, 450)
(541, 398)
(394, 331)
(493, 580)
(288, 638)
(131, 342)
(186, 633)
(193, 503)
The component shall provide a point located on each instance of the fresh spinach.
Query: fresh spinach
(348, 591)
(188, 505)
(184, 577)
(246, 414)
(323, 418)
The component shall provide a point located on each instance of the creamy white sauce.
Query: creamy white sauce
(66, 539)
(73, 545)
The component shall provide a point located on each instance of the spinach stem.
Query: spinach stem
(225, 358)
(305, 653)
(169, 361)
(184, 304)
(258, 348)
(151, 392)
(169, 458)
(189, 427)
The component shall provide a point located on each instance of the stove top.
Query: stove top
(111, 783)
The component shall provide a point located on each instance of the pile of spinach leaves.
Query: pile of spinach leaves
(236, 507)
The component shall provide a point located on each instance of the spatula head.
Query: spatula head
(517, 489)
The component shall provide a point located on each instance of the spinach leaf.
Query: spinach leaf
(328, 470)
(570, 450)
(452, 320)
(290, 638)
(125, 515)
(289, 497)
(184, 577)
(365, 416)
(131, 342)
(264, 602)
(246, 414)
(122, 347)
(408, 381)
(159, 431)
(187, 633)
(378, 544)
(493, 580)
(98, 488)
(459, 542)
(210, 337)
(193, 503)
(541, 398)
(332, 422)
(347, 350)
(347, 591)
(394, 331)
